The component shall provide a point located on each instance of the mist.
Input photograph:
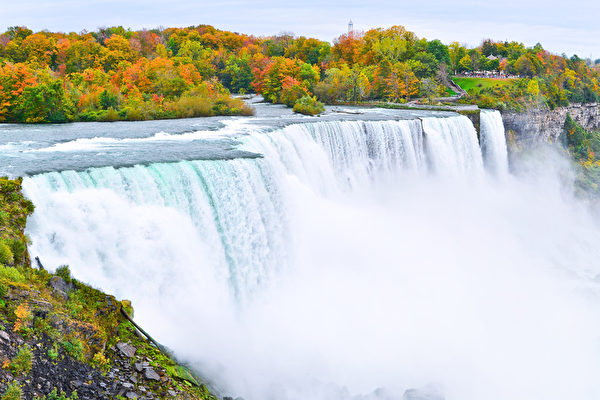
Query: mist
(359, 270)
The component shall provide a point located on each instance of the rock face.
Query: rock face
(541, 126)
(60, 287)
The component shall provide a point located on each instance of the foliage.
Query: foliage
(309, 106)
(53, 395)
(53, 353)
(11, 275)
(64, 272)
(120, 74)
(12, 392)
(6, 254)
(22, 362)
(74, 348)
(584, 147)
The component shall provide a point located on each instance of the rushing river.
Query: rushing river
(374, 255)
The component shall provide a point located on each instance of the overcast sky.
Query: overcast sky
(571, 27)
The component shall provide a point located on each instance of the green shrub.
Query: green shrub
(6, 254)
(19, 248)
(11, 274)
(53, 395)
(4, 218)
(64, 272)
(109, 115)
(12, 392)
(74, 348)
(53, 353)
(309, 106)
(23, 361)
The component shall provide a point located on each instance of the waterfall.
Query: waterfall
(237, 206)
(354, 260)
(493, 142)
(453, 145)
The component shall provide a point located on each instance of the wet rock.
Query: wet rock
(151, 374)
(126, 349)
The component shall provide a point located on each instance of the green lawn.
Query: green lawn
(480, 83)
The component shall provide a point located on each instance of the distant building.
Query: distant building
(350, 27)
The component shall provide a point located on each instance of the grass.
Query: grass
(469, 84)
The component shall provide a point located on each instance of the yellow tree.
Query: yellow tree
(401, 82)
(533, 89)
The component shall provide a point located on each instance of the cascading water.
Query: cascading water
(354, 260)
(493, 142)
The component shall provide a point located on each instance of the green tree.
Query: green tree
(45, 102)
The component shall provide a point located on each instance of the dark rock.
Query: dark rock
(75, 384)
(127, 349)
(60, 287)
(151, 374)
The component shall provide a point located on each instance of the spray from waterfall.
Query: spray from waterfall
(354, 260)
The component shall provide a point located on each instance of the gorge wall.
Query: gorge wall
(538, 125)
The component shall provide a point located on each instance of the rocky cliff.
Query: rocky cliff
(61, 339)
(539, 125)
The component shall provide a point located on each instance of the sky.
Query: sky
(571, 27)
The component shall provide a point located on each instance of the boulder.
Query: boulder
(150, 373)
(60, 287)
(126, 349)
(4, 337)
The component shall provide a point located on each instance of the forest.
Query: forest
(120, 74)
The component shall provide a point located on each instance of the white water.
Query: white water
(493, 142)
(356, 260)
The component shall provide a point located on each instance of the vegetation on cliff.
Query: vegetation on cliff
(116, 73)
(584, 148)
(62, 339)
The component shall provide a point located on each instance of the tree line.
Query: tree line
(120, 74)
